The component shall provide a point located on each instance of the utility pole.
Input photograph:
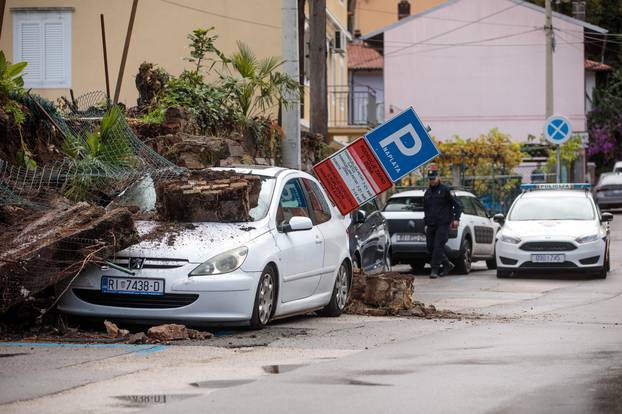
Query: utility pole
(291, 112)
(549, 108)
(318, 123)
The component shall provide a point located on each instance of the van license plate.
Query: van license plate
(548, 258)
(132, 286)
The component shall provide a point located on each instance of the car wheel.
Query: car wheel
(492, 262)
(503, 274)
(264, 299)
(463, 263)
(417, 267)
(341, 290)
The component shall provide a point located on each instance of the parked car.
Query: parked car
(617, 167)
(608, 191)
(370, 243)
(291, 257)
(553, 228)
(472, 240)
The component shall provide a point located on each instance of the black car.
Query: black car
(370, 243)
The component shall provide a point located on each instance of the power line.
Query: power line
(184, 6)
(455, 29)
(447, 18)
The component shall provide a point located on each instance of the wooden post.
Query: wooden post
(126, 46)
(101, 18)
(2, 7)
(317, 74)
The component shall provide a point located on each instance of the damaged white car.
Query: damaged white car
(292, 257)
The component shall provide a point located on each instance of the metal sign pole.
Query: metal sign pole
(559, 169)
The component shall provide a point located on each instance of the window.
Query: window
(292, 203)
(319, 205)
(43, 40)
(404, 204)
(481, 210)
(370, 207)
(467, 206)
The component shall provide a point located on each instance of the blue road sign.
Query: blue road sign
(557, 130)
(402, 144)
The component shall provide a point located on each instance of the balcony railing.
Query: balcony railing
(353, 107)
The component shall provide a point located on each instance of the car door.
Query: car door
(334, 233)
(484, 230)
(469, 219)
(366, 236)
(301, 253)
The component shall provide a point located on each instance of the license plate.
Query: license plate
(411, 237)
(132, 285)
(548, 258)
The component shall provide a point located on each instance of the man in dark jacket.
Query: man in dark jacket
(441, 210)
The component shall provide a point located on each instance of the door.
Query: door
(373, 237)
(469, 217)
(301, 253)
(484, 230)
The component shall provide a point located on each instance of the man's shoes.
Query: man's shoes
(434, 273)
(447, 267)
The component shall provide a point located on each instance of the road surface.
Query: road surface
(537, 345)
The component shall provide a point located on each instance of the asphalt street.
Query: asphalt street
(529, 345)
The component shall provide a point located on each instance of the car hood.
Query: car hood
(193, 242)
(552, 228)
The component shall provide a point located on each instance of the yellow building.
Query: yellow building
(61, 39)
(370, 15)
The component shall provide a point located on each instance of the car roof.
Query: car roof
(555, 193)
(617, 164)
(610, 178)
(419, 193)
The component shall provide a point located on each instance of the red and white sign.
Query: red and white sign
(352, 176)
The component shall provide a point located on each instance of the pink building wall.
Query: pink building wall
(467, 89)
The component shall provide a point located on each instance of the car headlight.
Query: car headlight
(587, 239)
(509, 239)
(223, 263)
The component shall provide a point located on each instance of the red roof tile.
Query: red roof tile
(362, 57)
(596, 66)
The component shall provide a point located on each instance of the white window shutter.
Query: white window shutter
(31, 51)
(53, 39)
(43, 40)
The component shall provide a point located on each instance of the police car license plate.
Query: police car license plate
(132, 286)
(548, 258)
(410, 237)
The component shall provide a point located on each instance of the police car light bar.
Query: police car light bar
(565, 186)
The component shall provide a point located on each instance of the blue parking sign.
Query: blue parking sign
(402, 144)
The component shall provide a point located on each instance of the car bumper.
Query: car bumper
(609, 202)
(588, 257)
(202, 299)
(405, 252)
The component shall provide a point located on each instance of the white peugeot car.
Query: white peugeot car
(553, 228)
(292, 257)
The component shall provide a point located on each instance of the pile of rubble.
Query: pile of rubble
(207, 195)
(389, 294)
(155, 334)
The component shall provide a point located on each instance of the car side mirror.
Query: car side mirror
(360, 217)
(499, 218)
(296, 223)
(606, 216)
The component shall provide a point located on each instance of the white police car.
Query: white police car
(553, 228)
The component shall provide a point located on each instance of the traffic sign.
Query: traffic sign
(352, 176)
(557, 129)
(402, 144)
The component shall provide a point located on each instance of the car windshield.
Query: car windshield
(404, 204)
(548, 208)
(142, 194)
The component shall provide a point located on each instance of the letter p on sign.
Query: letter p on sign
(402, 144)
(396, 138)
